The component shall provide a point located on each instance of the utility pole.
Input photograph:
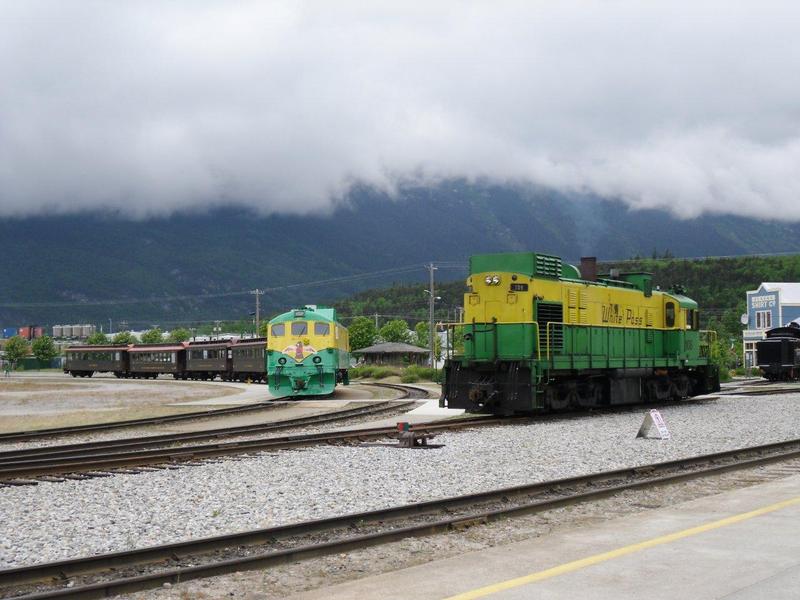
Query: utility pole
(431, 302)
(258, 294)
(376, 320)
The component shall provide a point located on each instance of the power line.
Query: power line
(152, 299)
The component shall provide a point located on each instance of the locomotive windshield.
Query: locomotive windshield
(322, 328)
(299, 328)
(278, 329)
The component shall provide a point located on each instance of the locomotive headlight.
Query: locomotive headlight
(495, 280)
(488, 280)
(281, 361)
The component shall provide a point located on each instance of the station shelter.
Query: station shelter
(771, 305)
(393, 354)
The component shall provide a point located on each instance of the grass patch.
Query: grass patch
(411, 374)
(373, 372)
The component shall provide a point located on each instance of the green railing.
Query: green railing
(452, 326)
(551, 349)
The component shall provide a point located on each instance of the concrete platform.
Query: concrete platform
(739, 545)
(431, 408)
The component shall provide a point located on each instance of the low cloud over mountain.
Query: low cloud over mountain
(147, 108)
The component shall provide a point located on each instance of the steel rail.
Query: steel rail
(86, 448)
(66, 569)
(37, 467)
(20, 436)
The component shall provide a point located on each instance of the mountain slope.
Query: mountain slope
(87, 258)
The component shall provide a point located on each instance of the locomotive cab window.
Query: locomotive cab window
(669, 314)
(692, 320)
(299, 328)
(322, 328)
(279, 329)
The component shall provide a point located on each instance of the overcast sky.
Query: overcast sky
(152, 107)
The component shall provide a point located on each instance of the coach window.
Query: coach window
(279, 329)
(299, 328)
(322, 328)
(670, 314)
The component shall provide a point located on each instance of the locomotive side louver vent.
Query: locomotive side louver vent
(550, 312)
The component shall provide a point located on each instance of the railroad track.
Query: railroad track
(30, 471)
(34, 434)
(18, 466)
(126, 572)
(766, 388)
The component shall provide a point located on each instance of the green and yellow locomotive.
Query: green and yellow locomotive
(308, 352)
(541, 335)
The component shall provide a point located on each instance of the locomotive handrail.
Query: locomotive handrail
(606, 328)
(453, 325)
(709, 341)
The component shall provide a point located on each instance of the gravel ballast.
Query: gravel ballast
(54, 521)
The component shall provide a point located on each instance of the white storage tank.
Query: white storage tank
(87, 330)
(58, 331)
(66, 331)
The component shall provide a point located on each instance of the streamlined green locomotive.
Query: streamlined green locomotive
(308, 352)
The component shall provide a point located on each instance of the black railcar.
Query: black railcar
(149, 360)
(249, 360)
(84, 361)
(778, 356)
(207, 360)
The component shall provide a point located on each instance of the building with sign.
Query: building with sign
(771, 305)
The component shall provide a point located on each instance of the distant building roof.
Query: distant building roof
(392, 348)
(790, 292)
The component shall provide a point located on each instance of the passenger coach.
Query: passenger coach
(148, 361)
(84, 361)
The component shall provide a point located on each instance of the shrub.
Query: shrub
(373, 371)
(415, 373)
(384, 372)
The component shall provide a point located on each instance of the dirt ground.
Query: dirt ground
(38, 402)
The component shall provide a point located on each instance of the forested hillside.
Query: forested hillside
(718, 285)
(198, 268)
